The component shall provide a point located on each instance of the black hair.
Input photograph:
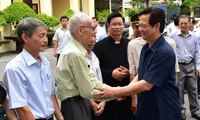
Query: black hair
(114, 15)
(157, 15)
(63, 17)
(95, 18)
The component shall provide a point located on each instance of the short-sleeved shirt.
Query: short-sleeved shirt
(63, 37)
(157, 66)
(134, 50)
(30, 84)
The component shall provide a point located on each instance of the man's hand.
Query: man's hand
(100, 108)
(119, 74)
(94, 105)
(198, 73)
(134, 104)
(105, 93)
(55, 54)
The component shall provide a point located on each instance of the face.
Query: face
(95, 22)
(88, 32)
(184, 25)
(146, 30)
(38, 41)
(136, 31)
(64, 23)
(91, 44)
(191, 26)
(116, 26)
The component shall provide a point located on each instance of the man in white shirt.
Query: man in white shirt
(100, 30)
(61, 37)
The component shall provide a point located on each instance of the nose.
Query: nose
(45, 39)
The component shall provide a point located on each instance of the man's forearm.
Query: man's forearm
(25, 113)
(55, 45)
(9, 113)
(57, 111)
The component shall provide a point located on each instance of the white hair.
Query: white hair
(78, 19)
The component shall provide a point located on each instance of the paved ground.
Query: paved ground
(5, 58)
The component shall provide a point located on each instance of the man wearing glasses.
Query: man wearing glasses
(75, 80)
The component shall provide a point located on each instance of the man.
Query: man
(75, 80)
(61, 37)
(196, 31)
(93, 63)
(28, 79)
(174, 26)
(112, 55)
(158, 98)
(135, 47)
(134, 25)
(101, 33)
(189, 63)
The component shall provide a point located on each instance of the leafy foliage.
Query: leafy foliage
(191, 3)
(17, 11)
(102, 16)
(2, 19)
(50, 21)
(131, 11)
(68, 13)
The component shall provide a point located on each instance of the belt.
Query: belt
(47, 118)
(72, 99)
(185, 63)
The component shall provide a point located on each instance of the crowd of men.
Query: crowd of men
(111, 78)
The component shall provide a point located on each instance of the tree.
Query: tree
(50, 21)
(191, 4)
(2, 19)
(17, 11)
(68, 13)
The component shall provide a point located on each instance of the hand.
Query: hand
(100, 108)
(55, 54)
(134, 104)
(118, 74)
(124, 70)
(198, 73)
(105, 93)
(120, 99)
(94, 105)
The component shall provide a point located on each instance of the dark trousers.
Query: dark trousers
(58, 56)
(115, 110)
(198, 86)
(76, 110)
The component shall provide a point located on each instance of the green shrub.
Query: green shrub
(17, 11)
(131, 11)
(50, 21)
(68, 13)
(102, 16)
(2, 19)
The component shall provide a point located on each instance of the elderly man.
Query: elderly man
(28, 79)
(75, 80)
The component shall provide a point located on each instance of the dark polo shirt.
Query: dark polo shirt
(157, 66)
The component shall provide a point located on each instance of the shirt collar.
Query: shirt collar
(114, 41)
(180, 33)
(28, 58)
(155, 45)
(80, 47)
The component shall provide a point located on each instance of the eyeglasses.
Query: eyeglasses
(93, 28)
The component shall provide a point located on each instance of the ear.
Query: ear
(158, 26)
(25, 38)
(80, 30)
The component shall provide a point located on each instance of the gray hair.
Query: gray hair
(78, 19)
(28, 26)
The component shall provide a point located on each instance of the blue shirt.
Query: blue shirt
(157, 66)
(187, 48)
(29, 83)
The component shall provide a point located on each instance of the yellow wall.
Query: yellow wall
(17, 0)
(46, 7)
(60, 7)
(8, 47)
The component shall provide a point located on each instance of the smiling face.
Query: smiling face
(146, 30)
(37, 42)
(116, 26)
